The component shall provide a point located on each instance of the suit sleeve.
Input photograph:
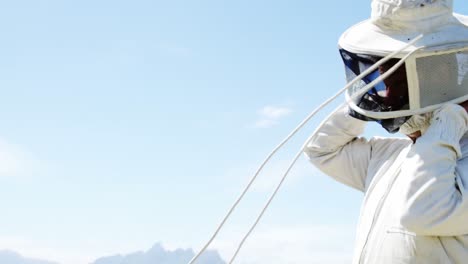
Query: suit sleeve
(337, 150)
(435, 196)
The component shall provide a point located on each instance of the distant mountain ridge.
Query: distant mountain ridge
(158, 255)
(155, 255)
(11, 257)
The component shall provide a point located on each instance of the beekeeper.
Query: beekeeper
(415, 208)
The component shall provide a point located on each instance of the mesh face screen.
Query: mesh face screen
(388, 95)
(442, 77)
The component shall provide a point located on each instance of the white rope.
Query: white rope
(391, 70)
(366, 88)
(279, 186)
(323, 105)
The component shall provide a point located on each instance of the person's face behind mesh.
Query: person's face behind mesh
(396, 96)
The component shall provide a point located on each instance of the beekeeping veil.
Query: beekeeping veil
(436, 71)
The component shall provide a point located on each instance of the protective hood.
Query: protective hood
(433, 70)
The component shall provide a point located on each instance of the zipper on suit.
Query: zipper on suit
(380, 204)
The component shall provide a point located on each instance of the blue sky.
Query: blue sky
(125, 123)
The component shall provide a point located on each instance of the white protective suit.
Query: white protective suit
(415, 208)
